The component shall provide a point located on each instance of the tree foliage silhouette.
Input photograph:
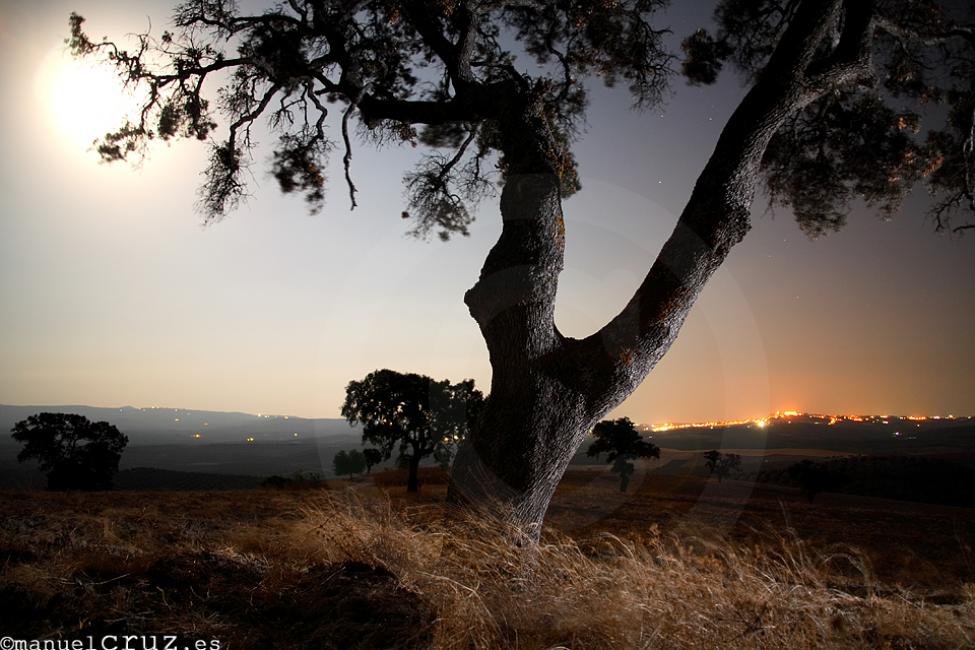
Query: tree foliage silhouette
(721, 465)
(349, 462)
(372, 458)
(621, 443)
(77, 454)
(847, 101)
(412, 414)
(813, 478)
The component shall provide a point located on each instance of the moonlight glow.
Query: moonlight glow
(84, 99)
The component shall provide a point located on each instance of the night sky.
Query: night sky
(113, 293)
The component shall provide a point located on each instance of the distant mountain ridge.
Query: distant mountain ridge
(164, 425)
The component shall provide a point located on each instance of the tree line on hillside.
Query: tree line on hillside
(923, 479)
(353, 461)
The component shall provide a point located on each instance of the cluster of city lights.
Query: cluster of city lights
(792, 415)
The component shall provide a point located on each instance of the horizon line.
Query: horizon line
(663, 425)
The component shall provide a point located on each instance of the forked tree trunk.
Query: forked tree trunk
(547, 390)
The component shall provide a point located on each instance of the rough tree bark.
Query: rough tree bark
(547, 390)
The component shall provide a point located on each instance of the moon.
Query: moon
(83, 99)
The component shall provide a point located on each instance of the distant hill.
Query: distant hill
(156, 426)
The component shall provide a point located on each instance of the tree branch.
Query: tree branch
(850, 60)
(375, 109)
(455, 57)
(925, 37)
(347, 158)
(618, 356)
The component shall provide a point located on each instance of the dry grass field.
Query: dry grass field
(679, 562)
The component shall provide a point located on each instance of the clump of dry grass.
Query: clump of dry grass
(655, 591)
(351, 570)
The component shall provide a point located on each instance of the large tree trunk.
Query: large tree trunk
(533, 421)
(512, 463)
(547, 391)
(624, 482)
(413, 478)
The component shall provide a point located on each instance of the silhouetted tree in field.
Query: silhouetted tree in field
(372, 457)
(413, 414)
(77, 454)
(721, 465)
(711, 460)
(622, 444)
(812, 478)
(349, 462)
(846, 101)
(910, 478)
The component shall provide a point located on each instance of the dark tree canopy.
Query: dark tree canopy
(813, 478)
(446, 66)
(711, 460)
(621, 443)
(412, 414)
(77, 454)
(905, 117)
(447, 75)
(721, 465)
(372, 458)
(349, 462)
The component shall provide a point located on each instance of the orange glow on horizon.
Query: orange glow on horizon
(791, 415)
